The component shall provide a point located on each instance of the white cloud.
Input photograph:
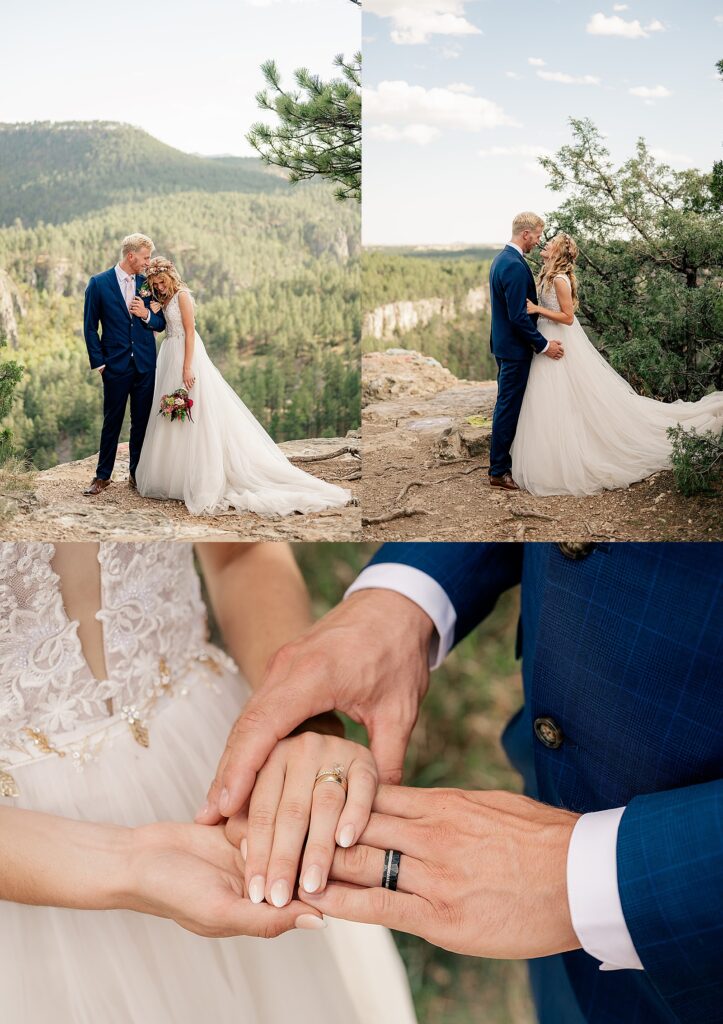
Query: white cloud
(513, 74)
(524, 150)
(461, 87)
(415, 21)
(620, 7)
(668, 157)
(536, 62)
(718, 19)
(564, 79)
(650, 92)
(400, 105)
(603, 25)
(420, 134)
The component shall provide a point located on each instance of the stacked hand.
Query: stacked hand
(194, 876)
(481, 873)
(138, 308)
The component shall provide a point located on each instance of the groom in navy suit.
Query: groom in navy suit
(514, 340)
(124, 352)
(614, 859)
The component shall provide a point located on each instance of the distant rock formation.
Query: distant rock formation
(395, 318)
(11, 307)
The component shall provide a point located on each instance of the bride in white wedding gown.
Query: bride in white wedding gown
(582, 427)
(114, 709)
(224, 458)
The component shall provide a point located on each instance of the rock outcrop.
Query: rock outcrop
(56, 509)
(11, 308)
(396, 318)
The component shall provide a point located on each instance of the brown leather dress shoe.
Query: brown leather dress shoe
(505, 481)
(133, 486)
(97, 486)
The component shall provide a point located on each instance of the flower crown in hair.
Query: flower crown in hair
(160, 266)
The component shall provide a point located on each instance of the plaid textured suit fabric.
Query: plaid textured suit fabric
(623, 649)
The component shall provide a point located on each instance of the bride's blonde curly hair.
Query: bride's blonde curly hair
(162, 270)
(564, 252)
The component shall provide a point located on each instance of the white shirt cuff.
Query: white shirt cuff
(592, 891)
(417, 586)
(543, 350)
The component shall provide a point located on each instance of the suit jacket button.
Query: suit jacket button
(548, 732)
(576, 550)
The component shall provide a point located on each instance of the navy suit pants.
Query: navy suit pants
(512, 377)
(117, 389)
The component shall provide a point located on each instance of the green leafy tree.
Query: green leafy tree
(651, 251)
(319, 126)
(717, 184)
(10, 374)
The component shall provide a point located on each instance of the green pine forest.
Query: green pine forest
(274, 269)
(394, 274)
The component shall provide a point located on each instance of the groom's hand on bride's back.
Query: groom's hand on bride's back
(368, 657)
(554, 350)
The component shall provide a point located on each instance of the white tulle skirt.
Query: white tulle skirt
(224, 459)
(121, 967)
(583, 429)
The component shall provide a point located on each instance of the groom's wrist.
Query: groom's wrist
(327, 724)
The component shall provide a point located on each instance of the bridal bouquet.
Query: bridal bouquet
(176, 406)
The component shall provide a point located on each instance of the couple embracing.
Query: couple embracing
(567, 423)
(218, 457)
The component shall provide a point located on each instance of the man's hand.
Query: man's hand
(369, 657)
(137, 308)
(100, 369)
(481, 873)
(554, 350)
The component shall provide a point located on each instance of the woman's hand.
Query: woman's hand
(188, 378)
(155, 306)
(193, 875)
(286, 804)
(532, 308)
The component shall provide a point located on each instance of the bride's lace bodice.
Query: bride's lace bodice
(153, 620)
(548, 296)
(174, 320)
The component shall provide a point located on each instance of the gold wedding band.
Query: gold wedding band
(337, 774)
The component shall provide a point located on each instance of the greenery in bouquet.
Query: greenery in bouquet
(176, 406)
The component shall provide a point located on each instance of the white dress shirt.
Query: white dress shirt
(513, 245)
(592, 874)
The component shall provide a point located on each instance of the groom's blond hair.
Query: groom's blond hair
(132, 243)
(527, 221)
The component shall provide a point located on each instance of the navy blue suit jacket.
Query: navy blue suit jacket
(514, 332)
(623, 649)
(122, 336)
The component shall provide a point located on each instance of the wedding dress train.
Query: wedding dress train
(583, 428)
(75, 746)
(224, 459)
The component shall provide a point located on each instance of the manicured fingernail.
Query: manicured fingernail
(312, 879)
(310, 922)
(223, 801)
(280, 893)
(257, 886)
(346, 836)
(244, 847)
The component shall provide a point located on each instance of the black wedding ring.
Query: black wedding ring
(390, 874)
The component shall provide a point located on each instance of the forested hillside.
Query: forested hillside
(54, 171)
(276, 281)
(395, 275)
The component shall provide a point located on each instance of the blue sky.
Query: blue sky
(185, 71)
(461, 95)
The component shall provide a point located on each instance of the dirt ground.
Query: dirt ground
(55, 509)
(426, 457)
